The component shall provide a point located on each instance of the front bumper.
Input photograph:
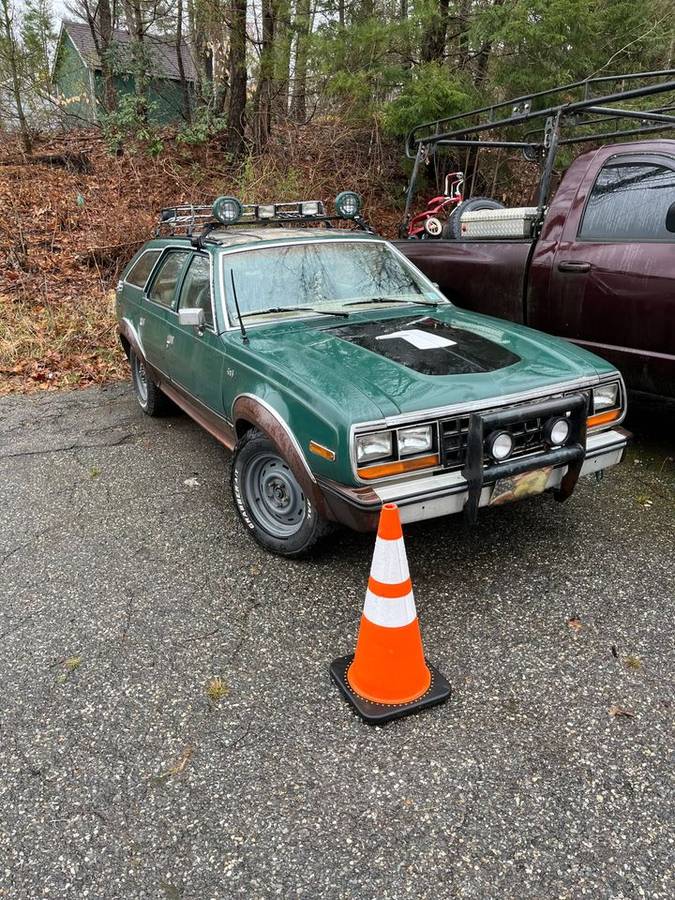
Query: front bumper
(445, 493)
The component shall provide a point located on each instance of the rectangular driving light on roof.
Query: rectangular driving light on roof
(311, 208)
(267, 212)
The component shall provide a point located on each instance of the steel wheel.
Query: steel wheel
(275, 497)
(140, 377)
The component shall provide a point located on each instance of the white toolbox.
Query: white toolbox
(499, 223)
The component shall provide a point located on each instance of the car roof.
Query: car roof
(257, 236)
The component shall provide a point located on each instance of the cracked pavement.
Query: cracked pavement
(127, 584)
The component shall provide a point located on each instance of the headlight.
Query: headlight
(606, 396)
(373, 446)
(414, 440)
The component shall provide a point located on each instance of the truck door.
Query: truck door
(612, 286)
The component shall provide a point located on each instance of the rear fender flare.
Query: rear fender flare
(127, 330)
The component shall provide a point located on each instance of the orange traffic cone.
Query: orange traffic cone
(388, 677)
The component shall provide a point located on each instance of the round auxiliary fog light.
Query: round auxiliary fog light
(227, 210)
(348, 204)
(557, 431)
(500, 445)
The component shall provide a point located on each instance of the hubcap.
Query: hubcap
(140, 380)
(275, 497)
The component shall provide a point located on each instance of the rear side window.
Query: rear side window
(629, 202)
(139, 273)
(163, 288)
(196, 289)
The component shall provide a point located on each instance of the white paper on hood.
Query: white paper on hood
(422, 340)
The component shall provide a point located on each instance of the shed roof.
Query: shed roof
(164, 54)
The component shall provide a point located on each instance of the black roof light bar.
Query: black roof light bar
(197, 222)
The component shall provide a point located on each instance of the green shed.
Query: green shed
(78, 81)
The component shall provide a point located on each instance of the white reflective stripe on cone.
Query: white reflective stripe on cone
(389, 612)
(390, 564)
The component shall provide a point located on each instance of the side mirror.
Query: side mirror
(670, 218)
(193, 316)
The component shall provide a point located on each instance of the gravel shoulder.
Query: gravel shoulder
(127, 584)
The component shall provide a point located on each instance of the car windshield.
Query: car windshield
(323, 275)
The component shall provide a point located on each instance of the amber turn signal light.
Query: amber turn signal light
(320, 450)
(397, 468)
(603, 418)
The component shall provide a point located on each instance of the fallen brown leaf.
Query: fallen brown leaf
(615, 711)
(575, 624)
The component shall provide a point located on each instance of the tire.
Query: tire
(150, 398)
(270, 501)
(453, 227)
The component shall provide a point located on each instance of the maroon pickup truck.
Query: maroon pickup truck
(601, 271)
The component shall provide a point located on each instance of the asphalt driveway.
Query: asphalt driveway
(127, 585)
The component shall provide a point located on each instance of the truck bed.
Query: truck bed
(467, 272)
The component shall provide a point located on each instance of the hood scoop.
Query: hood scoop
(428, 345)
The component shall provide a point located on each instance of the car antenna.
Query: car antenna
(244, 336)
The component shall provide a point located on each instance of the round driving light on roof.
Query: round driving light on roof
(557, 431)
(500, 445)
(227, 210)
(348, 204)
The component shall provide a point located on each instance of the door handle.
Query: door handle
(169, 340)
(568, 266)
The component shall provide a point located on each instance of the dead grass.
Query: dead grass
(65, 236)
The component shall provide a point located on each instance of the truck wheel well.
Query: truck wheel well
(126, 346)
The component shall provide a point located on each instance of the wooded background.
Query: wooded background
(294, 98)
(385, 63)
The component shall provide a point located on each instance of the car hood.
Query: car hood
(406, 360)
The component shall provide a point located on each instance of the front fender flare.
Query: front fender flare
(258, 412)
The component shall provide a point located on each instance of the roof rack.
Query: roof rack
(196, 222)
(575, 103)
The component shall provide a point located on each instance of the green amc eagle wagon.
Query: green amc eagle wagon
(343, 379)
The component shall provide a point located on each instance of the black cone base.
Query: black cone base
(379, 713)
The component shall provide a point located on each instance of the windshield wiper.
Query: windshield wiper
(390, 300)
(283, 309)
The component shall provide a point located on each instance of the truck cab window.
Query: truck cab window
(630, 202)
(196, 289)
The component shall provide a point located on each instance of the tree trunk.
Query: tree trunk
(284, 40)
(12, 59)
(184, 87)
(199, 44)
(106, 32)
(237, 106)
(302, 23)
(264, 89)
(434, 37)
(463, 36)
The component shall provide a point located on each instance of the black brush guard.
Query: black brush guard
(481, 425)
